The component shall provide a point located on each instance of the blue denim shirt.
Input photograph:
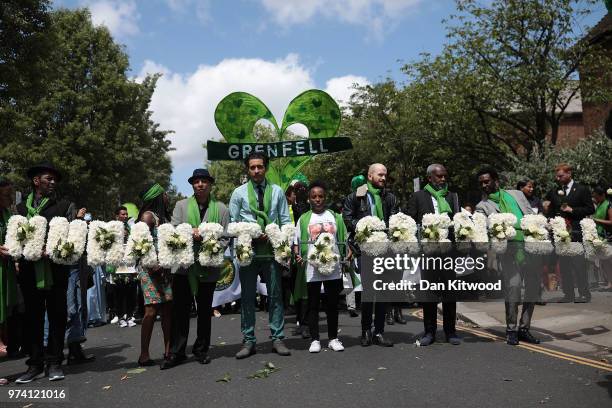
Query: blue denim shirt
(241, 212)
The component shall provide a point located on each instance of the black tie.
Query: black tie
(260, 197)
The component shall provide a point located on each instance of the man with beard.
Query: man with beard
(516, 270)
(436, 199)
(371, 199)
(196, 281)
(42, 283)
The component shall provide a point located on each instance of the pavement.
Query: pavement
(581, 328)
(481, 372)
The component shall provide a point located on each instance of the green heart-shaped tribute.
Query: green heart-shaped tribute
(237, 114)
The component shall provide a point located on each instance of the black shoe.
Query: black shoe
(379, 340)
(453, 339)
(397, 315)
(146, 363)
(524, 335)
(353, 313)
(305, 333)
(55, 372)
(203, 359)
(30, 375)
(366, 338)
(247, 350)
(427, 339)
(298, 330)
(512, 338)
(77, 356)
(390, 321)
(172, 361)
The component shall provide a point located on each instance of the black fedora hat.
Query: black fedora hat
(201, 174)
(44, 167)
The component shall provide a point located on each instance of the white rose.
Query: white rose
(561, 192)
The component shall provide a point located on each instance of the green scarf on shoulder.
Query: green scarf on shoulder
(601, 213)
(377, 201)
(42, 268)
(262, 249)
(507, 204)
(8, 290)
(440, 196)
(197, 271)
(301, 290)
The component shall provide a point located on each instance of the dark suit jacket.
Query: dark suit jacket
(579, 199)
(420, 204)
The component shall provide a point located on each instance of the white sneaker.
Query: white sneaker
(123, 323)
(315, 346)
(114, 320)
(131, 319)
(131, 323)
(336, 345)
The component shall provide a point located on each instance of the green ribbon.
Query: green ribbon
(601, 213)
(197, 271)
(42, 268)
(155, 191)
(507, 204)
(8, 290)
(440, 196)
(377, 201)
(301, 289)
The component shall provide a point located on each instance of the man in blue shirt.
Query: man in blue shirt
(260, 201)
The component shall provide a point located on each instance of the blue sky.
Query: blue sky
(274, 49)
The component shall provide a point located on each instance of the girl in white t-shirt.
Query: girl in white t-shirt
(308, 228)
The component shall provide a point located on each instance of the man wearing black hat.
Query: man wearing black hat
(42, 295)
(196, 281)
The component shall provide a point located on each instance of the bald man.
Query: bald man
(359, 204)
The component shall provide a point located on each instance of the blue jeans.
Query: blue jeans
(77, 312)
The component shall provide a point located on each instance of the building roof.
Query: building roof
(602, 30)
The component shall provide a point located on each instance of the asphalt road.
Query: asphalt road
(481, 372)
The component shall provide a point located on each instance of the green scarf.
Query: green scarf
(377, 201)
(301, 290)
(440, 196)
(262, 249)
(197, 271)
(155, 191)
(42, 268)
(601, 213)
(507, 204)
(8, 284)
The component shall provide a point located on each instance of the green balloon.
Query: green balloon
(132, 209)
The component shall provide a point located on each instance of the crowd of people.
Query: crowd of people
(39, 317)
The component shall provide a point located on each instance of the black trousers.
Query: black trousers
(332, 291)
(379, 309)
(574, 275)
(181, 308)
(37, 301)
(430, 317)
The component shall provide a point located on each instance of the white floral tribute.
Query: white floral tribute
(211, 250)
(175, 246)
(481, 235)
(245, 233)
(501, 229)
(323, 255)
(536, 234)
(105, 243)
(371, 236)
(26, 237)
(594, 245)
(434, 233)
(66, 240)
(281, 239)
(140, 248)
(402, 234)
(563, 239)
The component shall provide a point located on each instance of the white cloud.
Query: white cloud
(341, 88)
(376, 15)
(185, 103)
(200, 7)
(120, 17)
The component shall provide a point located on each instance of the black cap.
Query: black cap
(201, 174)
(44, 167)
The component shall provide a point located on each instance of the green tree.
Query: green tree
(92, 122)
(525, 56)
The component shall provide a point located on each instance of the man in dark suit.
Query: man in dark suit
(572, 201)
(436, 199)
(40, 297)
(359, 204)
